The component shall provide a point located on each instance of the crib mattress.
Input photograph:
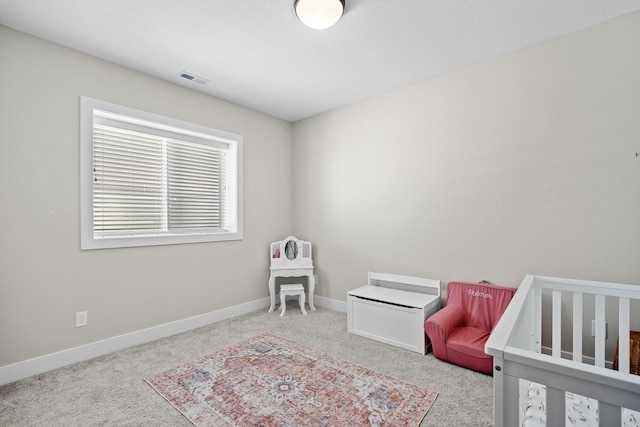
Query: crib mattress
(581, 411)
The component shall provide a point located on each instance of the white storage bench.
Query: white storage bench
(392, 309)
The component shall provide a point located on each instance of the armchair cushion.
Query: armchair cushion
(467, 341)
(465, 347)
(460, 330)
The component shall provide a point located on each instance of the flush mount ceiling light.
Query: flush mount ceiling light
(319, 14)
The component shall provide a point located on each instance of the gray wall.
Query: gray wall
(44, 277)
(522, 164)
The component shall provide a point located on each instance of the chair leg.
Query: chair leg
(301, 302)
(283, 304)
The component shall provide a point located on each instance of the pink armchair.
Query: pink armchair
(460, 330)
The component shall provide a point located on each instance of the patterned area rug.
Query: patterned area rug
(271, 381)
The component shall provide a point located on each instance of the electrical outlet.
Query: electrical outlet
(593, 329)
(81, 319)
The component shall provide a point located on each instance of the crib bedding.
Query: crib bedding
(581, 411)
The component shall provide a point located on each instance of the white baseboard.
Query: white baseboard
(331, 304)
(48, 362)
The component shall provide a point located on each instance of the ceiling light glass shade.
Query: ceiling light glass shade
(319, 14)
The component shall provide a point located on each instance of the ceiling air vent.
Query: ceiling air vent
(192, 77)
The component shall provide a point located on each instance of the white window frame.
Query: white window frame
(90, 108)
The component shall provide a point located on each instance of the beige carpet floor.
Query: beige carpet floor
(110, 390)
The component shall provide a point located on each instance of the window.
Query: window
(152, 180)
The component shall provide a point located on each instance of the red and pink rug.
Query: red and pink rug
(271, 381)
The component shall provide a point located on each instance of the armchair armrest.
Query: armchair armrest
(439, 326)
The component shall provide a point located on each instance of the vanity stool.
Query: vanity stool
(290, 291)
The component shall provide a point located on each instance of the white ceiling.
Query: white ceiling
(257, 54)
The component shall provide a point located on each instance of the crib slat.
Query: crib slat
(556, 411)
(609, 415)
(623, 334)
(577, 327)
(537, 318)
(511, 396)
(556, 322)
(600, 330)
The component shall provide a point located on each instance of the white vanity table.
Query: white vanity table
(291, 257)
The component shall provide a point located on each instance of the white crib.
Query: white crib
(527, 346)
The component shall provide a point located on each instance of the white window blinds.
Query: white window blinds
(127, 181)
(152, 179)
(196, 189)
(149, 184)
